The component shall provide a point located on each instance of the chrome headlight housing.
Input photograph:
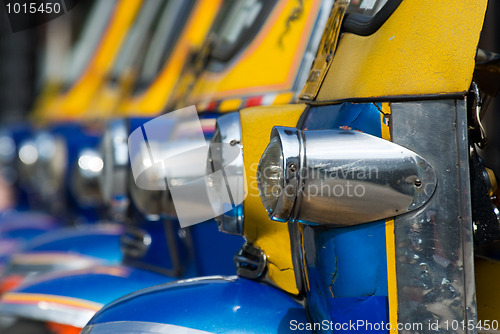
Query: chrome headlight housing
(340, 177)
(113, 179)
(51, 164)
(225, 156)
(43, 161)
(28, 156)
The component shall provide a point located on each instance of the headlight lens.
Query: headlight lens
(270, 175)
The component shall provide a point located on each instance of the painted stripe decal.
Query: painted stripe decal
(36, 298)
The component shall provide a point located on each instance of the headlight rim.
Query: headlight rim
(229, 127)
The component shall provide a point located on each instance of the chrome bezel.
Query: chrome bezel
(229, 127)
(290, 140)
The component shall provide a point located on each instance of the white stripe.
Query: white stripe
(268, 99)
(135, 327)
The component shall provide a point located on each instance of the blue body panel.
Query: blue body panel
(215, 305)
(347, 266)
(99, 284)
(102, 242)
(214, 251)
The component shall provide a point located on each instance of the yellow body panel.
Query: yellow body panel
(269, 64)
(156, 97)
(487, 293)
(110, 96)
(270, 236)
(75, 103)
(419, 50)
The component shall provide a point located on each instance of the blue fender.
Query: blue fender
(211, 304)
(99, 241)
(26, 225)
(73, 297)
(68, 248)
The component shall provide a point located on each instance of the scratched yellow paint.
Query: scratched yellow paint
(487, 272)
(425, 47)
(270, 236)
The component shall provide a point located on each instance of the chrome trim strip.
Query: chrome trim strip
(434, 245)
(132, 327)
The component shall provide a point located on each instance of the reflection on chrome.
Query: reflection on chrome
(136, 327)
(90, 161)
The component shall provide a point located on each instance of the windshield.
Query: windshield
(89, 40)
(366, 7)
(138, 38)
(237, 24)
(136, 327)
(169, 27)
(365, 17)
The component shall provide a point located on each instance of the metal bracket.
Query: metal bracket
(250, 261)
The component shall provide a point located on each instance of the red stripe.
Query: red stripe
(254, 101)
(212, 105)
